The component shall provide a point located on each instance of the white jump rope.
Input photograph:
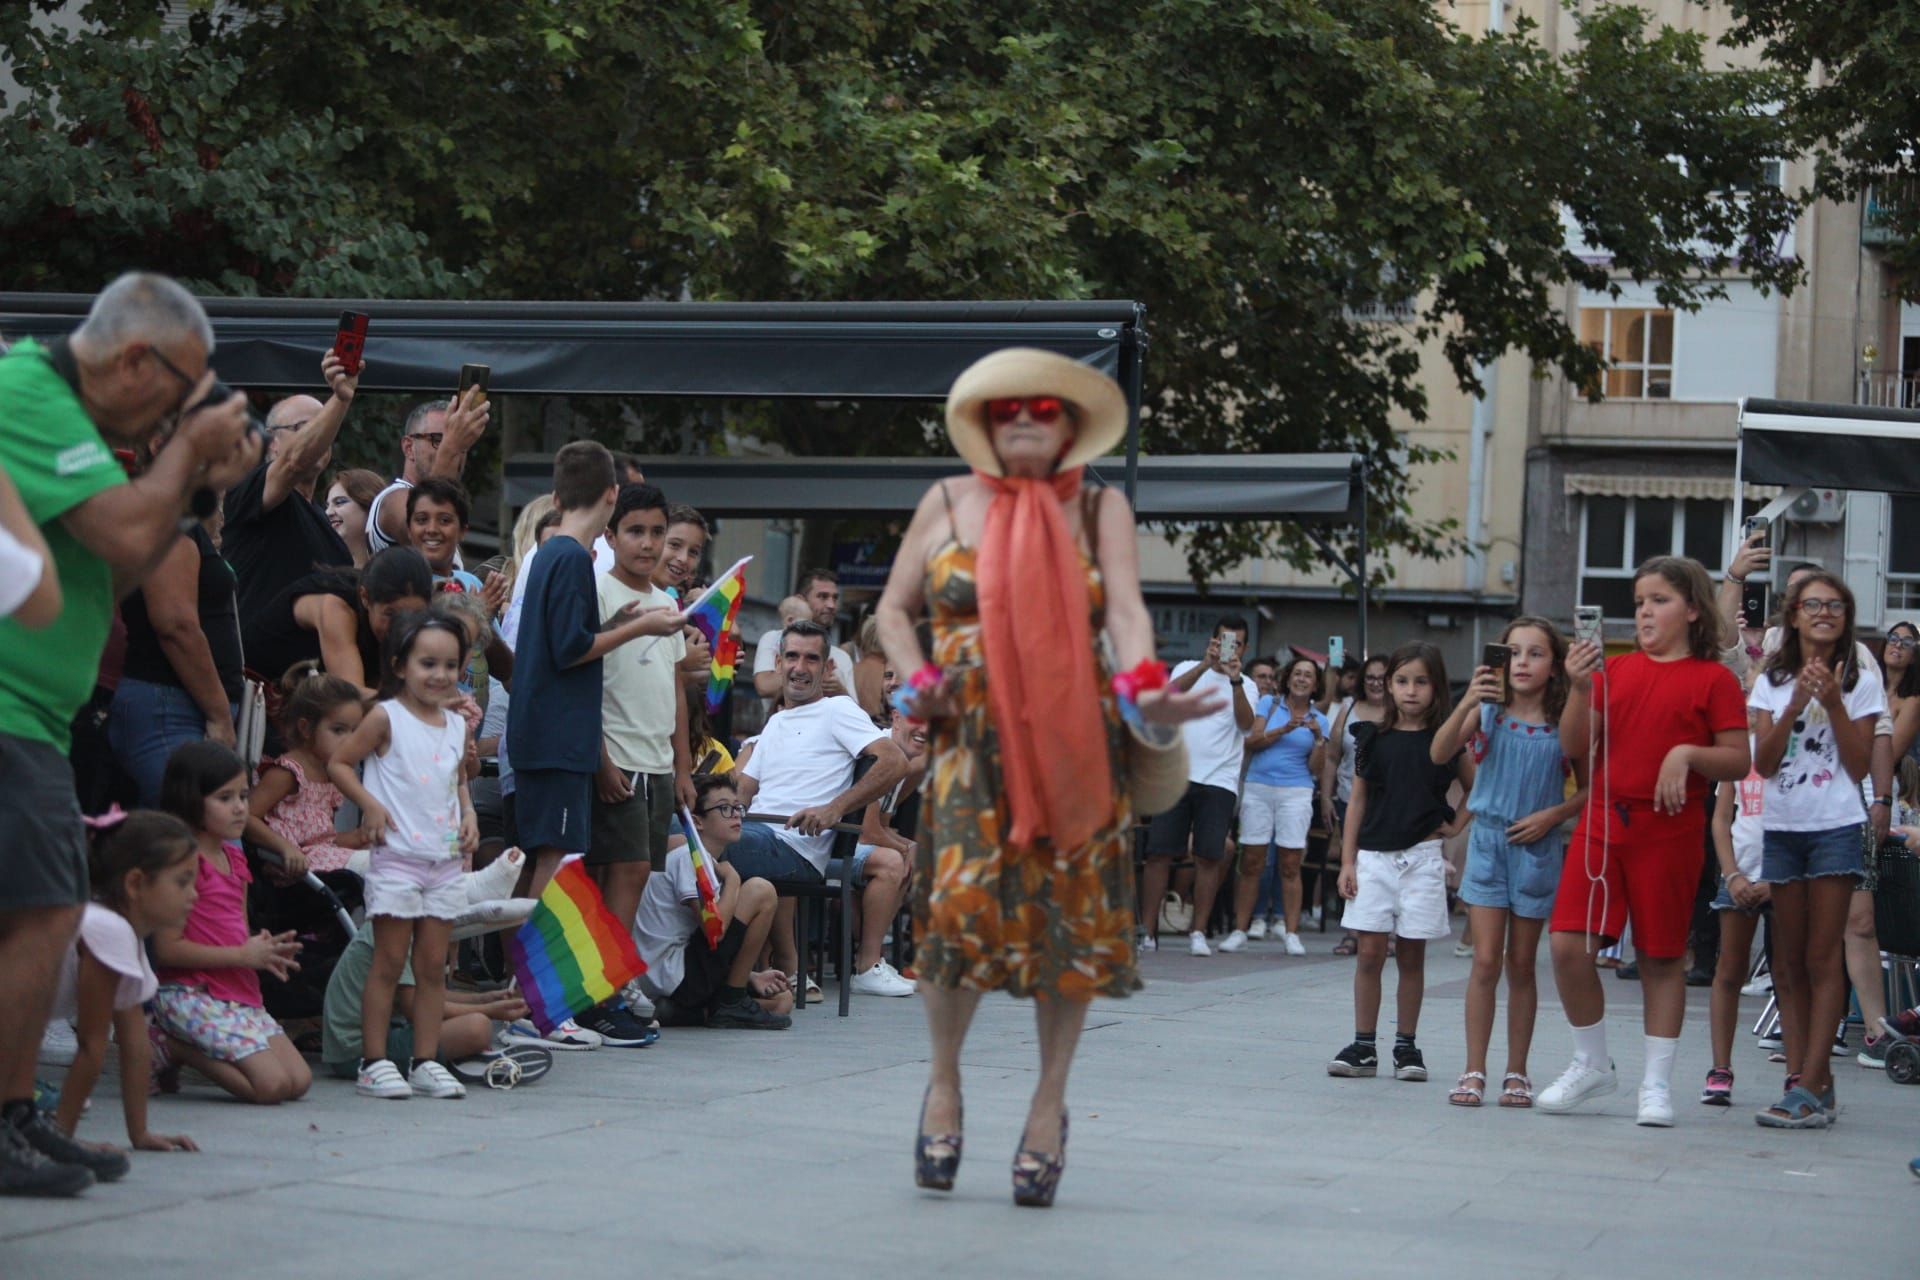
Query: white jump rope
(1598, 774)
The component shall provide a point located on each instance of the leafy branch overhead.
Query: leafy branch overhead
(1260, 174)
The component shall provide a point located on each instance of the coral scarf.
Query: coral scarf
(1038, 643)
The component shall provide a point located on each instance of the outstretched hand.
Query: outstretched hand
(1170, 706)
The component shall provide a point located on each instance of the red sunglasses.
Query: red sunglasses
(1044, 410)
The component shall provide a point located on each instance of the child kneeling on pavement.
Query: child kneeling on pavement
(692, 983)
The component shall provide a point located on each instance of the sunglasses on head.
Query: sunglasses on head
(1044, 410)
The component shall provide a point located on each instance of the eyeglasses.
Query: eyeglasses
(1380, 680)
(431, 437)
(1044, 410)
(1901, 642)
(1832, 608)
(172, 419)
(730, 810)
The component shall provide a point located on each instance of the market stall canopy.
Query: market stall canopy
(1314, 488)
(1829, 446)
(826, 350)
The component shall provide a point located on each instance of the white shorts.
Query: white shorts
(410, 888)
(1279, 814)
(1403, 893)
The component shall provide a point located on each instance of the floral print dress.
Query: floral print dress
(306, 816)
(988, 916)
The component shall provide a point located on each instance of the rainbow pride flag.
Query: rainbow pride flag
(714, 615)
(571, 954)
(703, 880)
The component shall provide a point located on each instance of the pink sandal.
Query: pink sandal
(1514, 1094)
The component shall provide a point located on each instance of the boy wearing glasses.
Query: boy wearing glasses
(691, 982)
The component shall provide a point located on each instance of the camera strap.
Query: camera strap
(58, 352)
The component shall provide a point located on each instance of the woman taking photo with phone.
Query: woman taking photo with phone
(1024, 874)
(1284, 753)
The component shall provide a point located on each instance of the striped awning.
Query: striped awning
(1643, 486)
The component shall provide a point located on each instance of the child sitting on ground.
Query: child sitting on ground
(691, 982)
(209, 1005)
(293, 804)
(143, 869)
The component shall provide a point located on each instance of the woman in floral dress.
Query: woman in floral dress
(1024, 869)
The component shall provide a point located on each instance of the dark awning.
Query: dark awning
(835, 350)
(1309, 488)
(1829, 446)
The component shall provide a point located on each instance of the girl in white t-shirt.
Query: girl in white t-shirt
(1814, 707)
(1738, 834)
(419, 820)
(143, 867)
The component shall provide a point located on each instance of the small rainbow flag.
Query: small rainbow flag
(571, 954)
(703, 879)
(714, 615)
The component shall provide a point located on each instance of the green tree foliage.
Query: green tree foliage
(1257, 173)
(1854, 104)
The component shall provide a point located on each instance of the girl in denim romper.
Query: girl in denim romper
(1516, 843)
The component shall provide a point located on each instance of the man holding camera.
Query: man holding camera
(137, 363)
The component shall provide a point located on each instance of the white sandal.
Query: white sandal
(1469, 1095)
(1516, 1095)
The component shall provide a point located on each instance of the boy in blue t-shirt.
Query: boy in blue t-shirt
(553, 723)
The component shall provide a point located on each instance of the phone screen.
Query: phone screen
(1336, 653)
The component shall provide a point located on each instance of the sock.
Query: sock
(1590, 1044)
(732, 995)
(1403, 1039)
(1363, 1037)
(1660, 1051)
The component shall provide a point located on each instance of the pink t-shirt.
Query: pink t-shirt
(219, 919)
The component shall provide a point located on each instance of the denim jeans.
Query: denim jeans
(146, 723)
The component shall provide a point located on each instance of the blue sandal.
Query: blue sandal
(1797, 1109)
(936, 1156)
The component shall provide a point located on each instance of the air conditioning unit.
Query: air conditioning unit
(1819, 506)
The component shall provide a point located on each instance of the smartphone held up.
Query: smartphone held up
(1497, 658)
(1587, 624)
(350, 341)
(1753, 592)
(473, 376)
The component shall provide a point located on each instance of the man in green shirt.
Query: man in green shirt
(134, 373)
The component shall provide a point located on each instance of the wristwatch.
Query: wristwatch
(1884, 800)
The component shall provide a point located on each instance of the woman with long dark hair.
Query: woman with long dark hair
(340, 617)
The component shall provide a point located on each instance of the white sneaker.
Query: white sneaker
(1235, 941)
(637, 1000)
(881, 980)
(1578, 1083)
(431, 1080)
(1313, 917)
(1295, 947)
(59, 1046)
(1257, 930)
(1656, 1106)
(381, 1079)
(1197, 944)
(1149, 942)
(1760, 986)
(569, 1035)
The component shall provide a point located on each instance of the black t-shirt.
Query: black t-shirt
(269, 549)
(147, 660)
(278, 641)
(1406, 790)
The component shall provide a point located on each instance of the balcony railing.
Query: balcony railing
(1887, 389)
(1877, 227)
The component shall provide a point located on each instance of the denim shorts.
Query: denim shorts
(1520, 878)
(1810, 855)
(759, 852)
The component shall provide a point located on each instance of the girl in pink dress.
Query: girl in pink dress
(293, 804)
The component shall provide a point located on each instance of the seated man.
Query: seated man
(692, 983)
(802, 768)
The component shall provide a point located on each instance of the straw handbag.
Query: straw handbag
(1156, 768)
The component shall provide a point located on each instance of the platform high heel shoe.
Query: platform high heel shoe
(936, 1156)
(1036, 1175)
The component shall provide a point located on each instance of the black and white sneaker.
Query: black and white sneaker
(1408, 1064)
(616, 1026)
(1354, 1061)
(107, 1164)
(747, 1015)
(26, 1171)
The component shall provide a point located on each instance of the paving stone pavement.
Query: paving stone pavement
(1207, 1137)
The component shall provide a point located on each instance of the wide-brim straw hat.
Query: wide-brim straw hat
(1020, 372)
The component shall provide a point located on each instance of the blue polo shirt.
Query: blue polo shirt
(553, 721)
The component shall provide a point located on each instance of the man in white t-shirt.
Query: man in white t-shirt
(1203, 819)
(803, 767)
(819, 595)
(435, 441)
